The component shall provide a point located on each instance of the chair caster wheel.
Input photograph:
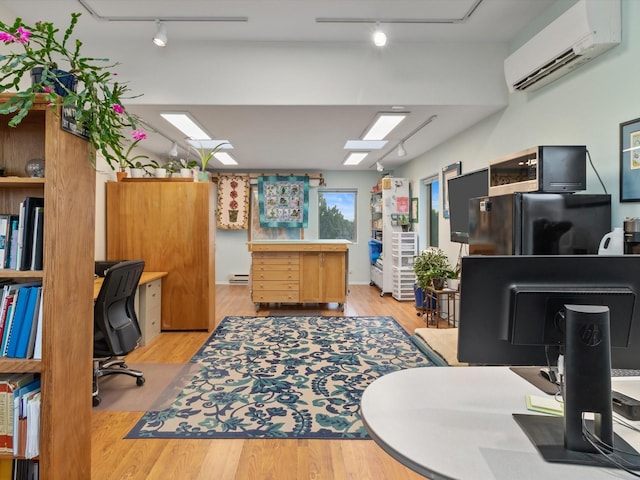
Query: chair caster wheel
(140, 381)
(96, 400)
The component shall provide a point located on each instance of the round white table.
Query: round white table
(456, 423)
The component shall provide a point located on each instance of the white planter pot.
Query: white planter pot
(160, 172)
(453, 283)
(186, 173)
(137, 173)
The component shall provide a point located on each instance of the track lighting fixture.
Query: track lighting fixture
(160, 38)
(173, 153)
(379, 167)
(379, 37)
(401, 150)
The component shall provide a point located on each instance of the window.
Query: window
(430, 195)
(337, 214)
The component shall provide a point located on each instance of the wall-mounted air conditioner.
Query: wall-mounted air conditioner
(584, 31)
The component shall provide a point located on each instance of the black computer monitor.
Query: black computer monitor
(460, 190)
(515, 310)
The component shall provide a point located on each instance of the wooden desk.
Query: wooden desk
(148, 303)
(146, 278)
(447, 423)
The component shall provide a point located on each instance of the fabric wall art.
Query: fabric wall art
(233, 202)
(283, 201)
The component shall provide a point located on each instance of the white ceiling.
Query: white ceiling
(294, 137)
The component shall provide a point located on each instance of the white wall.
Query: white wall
(585, 107)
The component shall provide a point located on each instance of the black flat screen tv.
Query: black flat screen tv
(460, 190)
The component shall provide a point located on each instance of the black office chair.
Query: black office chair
(116, 329)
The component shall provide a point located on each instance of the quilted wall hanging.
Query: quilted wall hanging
(233, 202)
(283, 201)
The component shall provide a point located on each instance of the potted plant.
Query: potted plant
(432, 268)
(138, 169)
(159, 171)
(96, 101)
(186, 167)
(133, 163)
(205, 155)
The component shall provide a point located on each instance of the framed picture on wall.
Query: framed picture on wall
(448, 172)
(630, 161)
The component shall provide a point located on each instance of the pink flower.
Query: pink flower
(47, 89)
(23, 35)
(7, 37)
(118, 108)
(138, 135)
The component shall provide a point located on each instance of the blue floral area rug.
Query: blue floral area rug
(283, 377)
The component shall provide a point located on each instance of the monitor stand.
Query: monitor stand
(587, 390)
(547, 434)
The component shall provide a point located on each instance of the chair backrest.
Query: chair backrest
(116, 329)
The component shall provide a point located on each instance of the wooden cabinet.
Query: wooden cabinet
(298, 272)
(67, 278)
(171, 226)
(323, 277)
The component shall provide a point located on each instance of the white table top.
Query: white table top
(455, 422)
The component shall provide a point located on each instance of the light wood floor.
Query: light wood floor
(114, 458)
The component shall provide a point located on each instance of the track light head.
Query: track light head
(379, 37)
(379, 167)
(401, 150)
(173, 153)
(160, 38)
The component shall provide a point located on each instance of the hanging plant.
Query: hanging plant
(96, 99)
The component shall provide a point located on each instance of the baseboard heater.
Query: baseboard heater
(239, 279)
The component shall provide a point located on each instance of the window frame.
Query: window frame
(354, 191)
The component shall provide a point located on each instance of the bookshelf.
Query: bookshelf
(67, 278)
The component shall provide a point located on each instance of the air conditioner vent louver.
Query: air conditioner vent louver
(586, 30)
(547, 69)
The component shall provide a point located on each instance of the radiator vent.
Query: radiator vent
(239, 279)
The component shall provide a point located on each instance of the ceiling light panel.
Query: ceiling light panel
(225, 158)
(183, 122)
(383, 125)
(365, 144)
(355, 158)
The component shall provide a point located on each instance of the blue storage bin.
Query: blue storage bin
(375, 249)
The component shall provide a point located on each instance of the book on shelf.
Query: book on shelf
(19, 313)
(9, 383)
(26, 334)
(37, 239)
(19, 242)
(21, 397)
(11, 261)
(14, 316)
(31, 204)
(36, 354)
(5, 223)
(8, 294)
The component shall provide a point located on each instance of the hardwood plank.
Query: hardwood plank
(226, 459)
